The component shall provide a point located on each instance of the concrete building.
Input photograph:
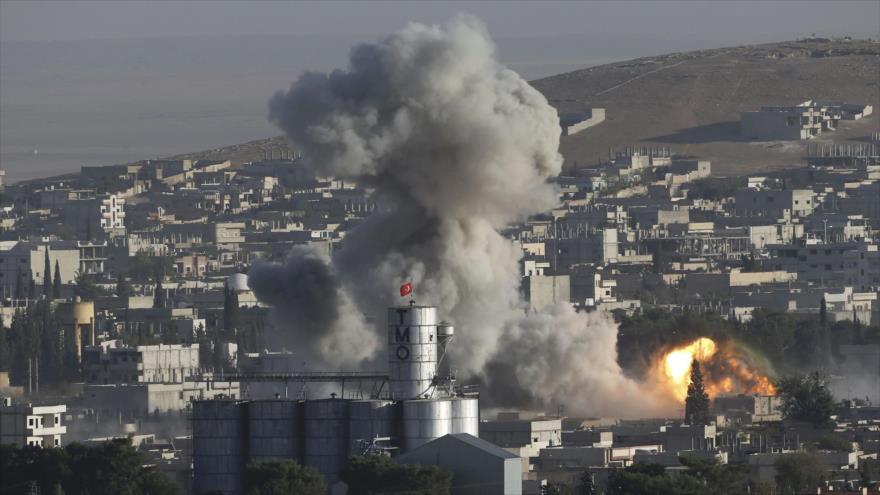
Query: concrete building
(600, 248)
(854, 264)
(802, 121)
(477, 466)
(28, 260)
(29, 425)
(546, 290)
(749, 409)
(762, 466)
(110, 363)
(573, 123)
(522, 437)
(94, 218)
(773, 204)
(125, 402)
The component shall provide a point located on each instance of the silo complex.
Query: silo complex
(370, 419)
(412, 351)
(219, 430)
(417, 406)
(326, 428)
(274, 429)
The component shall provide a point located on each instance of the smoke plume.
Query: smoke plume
(310, 302)
(455, 147)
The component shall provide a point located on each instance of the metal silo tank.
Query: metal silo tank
(412, 350)
(424, 420)
(273, 430)
(369, 419)
(218, 446)
(326, 436)
(466, 415)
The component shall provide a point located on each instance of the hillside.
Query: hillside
(691, 101)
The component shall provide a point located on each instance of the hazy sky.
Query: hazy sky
(35, 20)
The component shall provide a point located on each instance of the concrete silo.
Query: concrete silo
(219, 429)
(415, 402)
(274, 429)
(412, 351)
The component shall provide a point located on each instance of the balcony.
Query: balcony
(46, 431)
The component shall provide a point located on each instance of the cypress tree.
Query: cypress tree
(32, 288)
(696, 405)
(159, 294)
(122, 288)
(5, 357)
(19, 284)
(56, 283)
(47, 276)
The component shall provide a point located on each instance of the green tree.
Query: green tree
(19, 283)
(159, 294)
(703, 477)
(587, 485)
(806, 398)
(123, 286)
(376, 474)
(720, 479)
(798, 473)
(230, 309)
(642, 479)
(5, 357)
(558, 489)
(111, 468)
(86, 288)
(47, 276)
(834, 442)
(144, 267)
(696, 404)
(56, 282)
(282, 478)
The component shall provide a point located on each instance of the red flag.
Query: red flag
(406, 289)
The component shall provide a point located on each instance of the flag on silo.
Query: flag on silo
(406, 289)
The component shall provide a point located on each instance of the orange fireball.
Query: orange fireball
(725, 369)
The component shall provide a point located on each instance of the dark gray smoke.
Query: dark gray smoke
(456, 147)
(311, 306)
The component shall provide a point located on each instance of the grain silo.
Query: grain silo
(413, 404)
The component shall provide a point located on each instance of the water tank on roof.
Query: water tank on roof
(237, 282)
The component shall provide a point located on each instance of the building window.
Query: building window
(30, 421)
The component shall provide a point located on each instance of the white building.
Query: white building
(27, 424)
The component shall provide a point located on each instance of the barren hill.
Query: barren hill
(691, 101)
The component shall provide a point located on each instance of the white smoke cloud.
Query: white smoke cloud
(456, 147)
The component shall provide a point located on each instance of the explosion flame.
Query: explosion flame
(727, 369)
